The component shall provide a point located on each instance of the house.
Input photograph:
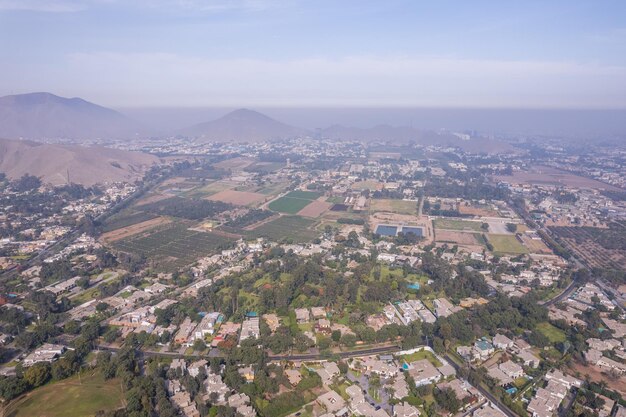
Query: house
(511, 369)
(184, 332)
(500, 341)
(194, 368)
(318, 312)
(48, 352)
(323, 326)
(294, 376)
(483, 348)
(444, 308)
(303, 315)
(528, 359)
(488, 410)
(568, 381)
(405, 410)
(327, 372)
(498, 374)
(423, 372)
(247, 372)
(250, 329)
(331, 401)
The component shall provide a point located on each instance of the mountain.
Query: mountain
(242, 125)
(85, 165)
(46, 116)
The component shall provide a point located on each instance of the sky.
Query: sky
(290, 53)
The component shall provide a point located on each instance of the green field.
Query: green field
(126, 218)
(554, 334)
(453, 224)
(290, 227)
(422, 354)
(394, 206)
(506, 244)
(175, 245)
(305, 195)
(72, 397)
(288, 205)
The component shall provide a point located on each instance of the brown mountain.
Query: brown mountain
(46, 116)
(242, 125)
(85, 165)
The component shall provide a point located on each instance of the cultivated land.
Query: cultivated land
(293, 202)
(394, 206)
(367, 185)
(459, 238)
(238, 198)
(315, 209)
(453, 224)
(72, 397)
(286, 227)
(134, 229)
(585, 243)
(535, 245)
(234, 163)
(506, 244)
(174, 245)
(126, 218)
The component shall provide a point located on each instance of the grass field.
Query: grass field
(174, 245)
(422, 354)
(506, 244)
(289, 227)
(288, 205)
(554, 334)
(72, 397)
(453, 224)
(305, 195)
(394, 206)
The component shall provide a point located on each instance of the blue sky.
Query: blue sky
(387, 53)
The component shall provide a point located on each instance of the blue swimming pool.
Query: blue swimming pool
(385, 230)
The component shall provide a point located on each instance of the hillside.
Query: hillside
(46, 116)
(243, 126)
(86, 165)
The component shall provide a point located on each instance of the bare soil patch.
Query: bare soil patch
(127, 231)
(553, 176)
(315, 209)
(238, 198)
(596, 375)
(459, 238)
(234, 163)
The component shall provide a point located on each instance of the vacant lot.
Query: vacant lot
(238, 198)
(134, 229)
(174, 245)
(295, 228)
(234, 163)
(315, 209)
(367, 185)
(506, 244)
(73, 397)
(554, 176)
(459, 238)
(535, 245)
(394, 206)
(455, 224)
(554, 334)
(477, 210)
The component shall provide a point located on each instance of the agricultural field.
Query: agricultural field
(237, 198)
(599, 248)
(295, 228)
(126, 218)
(394, 206)
(133, 229)
(506, 244)
(174, 245)
(367, 185)
(315, 209)
(459, 238)
(293, 202)
(535, 245)
(187, 208)
(73, 397)
(454, 224)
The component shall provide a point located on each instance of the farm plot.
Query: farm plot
(133, 229)
(187, 208)
(506, 244)
(126, 218)
(238, 198)
(453, 224)
(293, 202)
(315, 209)
(394, 206)
(295, 228)
(599, 248)
(175, 245)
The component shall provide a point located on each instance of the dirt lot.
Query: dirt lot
(596, 375)
(315, 209)
(477, 211)
(151, 199)
(459, 238)
(549, 175)
(394, 206)
(238, 198)
(536, 246)
(124, 232)
(234, 163)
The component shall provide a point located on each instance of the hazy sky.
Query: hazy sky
(232, 53)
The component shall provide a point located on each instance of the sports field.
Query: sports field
(72, 397)
(394, 206)
(453, 224)
(506, 244)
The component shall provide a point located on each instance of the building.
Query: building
(303, 315)
(331, 401)
(423, 372)
(500, 341)
(250, 329)
(48, 352)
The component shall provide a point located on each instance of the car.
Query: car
(377, 407)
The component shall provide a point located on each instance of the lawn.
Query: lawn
(72, 397)
(422, 354)
(452, 224)
(553, 334)
(506, 244)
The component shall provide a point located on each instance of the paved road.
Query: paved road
(562, 296)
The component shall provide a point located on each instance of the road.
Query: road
(563, 295)
(483, 391)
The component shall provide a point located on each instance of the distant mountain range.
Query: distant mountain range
(83, 164)
(46, 116)
(40, 116)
